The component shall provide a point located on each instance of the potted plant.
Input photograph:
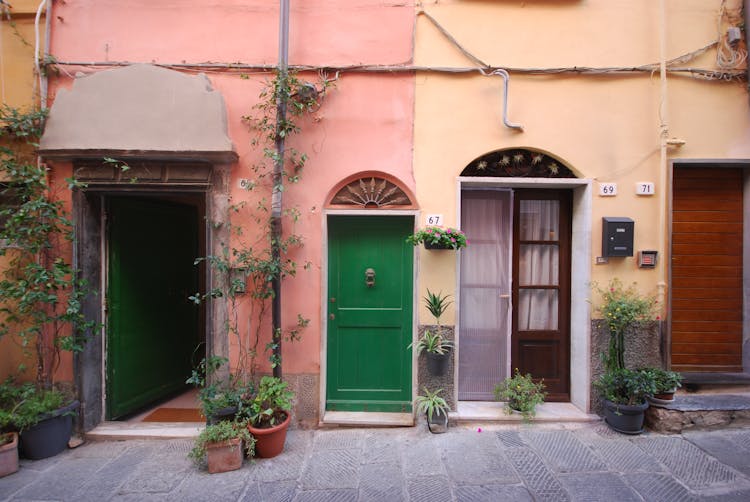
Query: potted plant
(436, 408)
(521, 394)
(624, 394)
(436, 348)
(42, 417)
(269, 411)
(222, 446)
(437, 237)
(666, 382)
(221, 399)
(8, 453)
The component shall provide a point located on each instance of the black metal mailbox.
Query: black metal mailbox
(617, 236)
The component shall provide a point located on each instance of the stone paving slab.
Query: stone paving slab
(536, 462)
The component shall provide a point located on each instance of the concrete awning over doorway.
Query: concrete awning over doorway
(138, 111)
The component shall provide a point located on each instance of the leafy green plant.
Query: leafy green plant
(433, 343)
(432, 403)
(622, 308)
(41, 294)
(270, 404)
(437, 304)
(220, 432)
(625, 386)
(439, 236)
(521, 394)
(24, 405)
(664, 380)
(256, 268)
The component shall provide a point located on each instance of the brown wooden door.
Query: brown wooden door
(541, 288)
(707, 269)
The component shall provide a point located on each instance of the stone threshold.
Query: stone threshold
(367, 418)
(700, 412)
(114, 431)
(493, 412)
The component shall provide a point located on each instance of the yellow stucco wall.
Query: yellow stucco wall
(17, 89)
(606, 127)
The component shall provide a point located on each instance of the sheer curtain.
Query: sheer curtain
(538, 264)
(484, 293)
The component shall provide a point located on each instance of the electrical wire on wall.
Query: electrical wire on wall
(731, 50)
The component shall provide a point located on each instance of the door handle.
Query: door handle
(370, 277)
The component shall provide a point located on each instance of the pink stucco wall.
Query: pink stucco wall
(365, 122)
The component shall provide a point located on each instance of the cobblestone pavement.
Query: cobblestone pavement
(510, 462)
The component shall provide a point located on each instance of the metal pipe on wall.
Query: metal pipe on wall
(276, 196)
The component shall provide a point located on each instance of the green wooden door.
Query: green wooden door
(369, 326)
(152, 326)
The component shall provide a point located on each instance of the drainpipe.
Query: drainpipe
(278, 168)
(746, 13)
(506, 82)
(663, 170)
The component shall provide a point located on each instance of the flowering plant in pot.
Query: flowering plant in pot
(521, 394)
(269, 411)
(436, 408)
(222, 446)
(437, 237)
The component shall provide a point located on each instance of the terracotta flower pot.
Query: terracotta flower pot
(270, 442)
(224, 456)
(9, 455)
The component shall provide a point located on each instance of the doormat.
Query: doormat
(175, 415)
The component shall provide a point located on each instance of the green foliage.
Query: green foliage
(437, 304)
(521, 393)
(439, 236)
(253, 268)
(622, 308)
(40, 292)
(625, 386)
(432, 342)
(270, 404)
(24, 405)
(664, 380)
(431, 403)
(220, 432)
(21, 125)
(216, 394)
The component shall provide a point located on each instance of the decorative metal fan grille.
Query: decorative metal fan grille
(517, 162)
(373, 192)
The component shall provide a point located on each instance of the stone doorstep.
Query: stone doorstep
(114, 431)
(699, 411)
(493, 412)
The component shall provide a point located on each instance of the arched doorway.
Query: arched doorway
(515, 277)
(369, 297)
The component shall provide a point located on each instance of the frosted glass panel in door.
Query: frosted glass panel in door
(484, 293)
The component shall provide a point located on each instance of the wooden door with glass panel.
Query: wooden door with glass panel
(541, 288)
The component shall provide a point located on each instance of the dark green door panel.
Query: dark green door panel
(152, 326)
(369, 327)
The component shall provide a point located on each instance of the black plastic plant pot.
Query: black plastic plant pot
(223, 415)
(51, 435)
(430, 245)
(623, 418)
(437, 364)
